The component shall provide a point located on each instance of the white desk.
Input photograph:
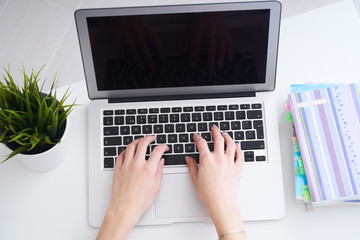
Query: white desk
(319, 46)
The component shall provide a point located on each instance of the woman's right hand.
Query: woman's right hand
(216, 180)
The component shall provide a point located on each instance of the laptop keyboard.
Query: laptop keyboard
(175, 126)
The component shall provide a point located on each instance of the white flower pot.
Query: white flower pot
(48, 160)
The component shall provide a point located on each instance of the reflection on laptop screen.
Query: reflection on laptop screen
(179, 50)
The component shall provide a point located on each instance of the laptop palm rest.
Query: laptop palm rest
(178, 199)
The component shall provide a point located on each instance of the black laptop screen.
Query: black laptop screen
(179, 50)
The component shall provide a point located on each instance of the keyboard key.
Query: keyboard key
(127, 140)
(178, 159)
(224, 126)
(249, 159)
(158, 129)
(141, 119)
(119, 120)
(229, 116)
(169, 128)
(260, 158)
(196, 117)
(152, 119)
(176, 109)
(184, 137)
(199, 109)
(207, 116)
(254, 114)
(153, 110)
(120, 149)
(163, 118)
(222, 107)
(147, 129)
(248, 153)
(252, 145)
(250, 134)
(244, 106)
(211, 146)
(110, 151)
(108, 112)
(108, 162)
(234, 107)
(210, 108)
(180, 127)
(174, 118)
(246, 125)
(130, 119)
(131, 111)
(191, 127)
(189, 148)
(231, 134)
(239, 135)
(142, 111)
(111, 131)
(138, 137)
(235, 125)
(172, 138)
(218, 116)
(206, 136)
(178, 148)
(161, 138)
(212, 124)
(170, 149)
(202, 127)
(112, 141)
(185, 117)
(136, 129)
(125, 130)
(165, 110)
(256, 106)
(108, 121)
(119, 112)
(188, 109)
(258, 126)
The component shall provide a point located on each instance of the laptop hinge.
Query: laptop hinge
(182, 97)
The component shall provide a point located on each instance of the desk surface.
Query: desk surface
(318, 46)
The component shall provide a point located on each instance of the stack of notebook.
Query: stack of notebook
(326, 138)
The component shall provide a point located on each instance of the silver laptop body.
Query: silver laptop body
(179, 69)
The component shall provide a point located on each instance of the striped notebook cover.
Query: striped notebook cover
(327, 124)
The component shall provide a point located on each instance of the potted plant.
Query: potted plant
(32, 122)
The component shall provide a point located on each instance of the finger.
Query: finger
(239, 157)
(201, 144)
(211, 47)
(159, 173)
(119, 161)
(193, 168)
(157, 154)
(230, 147)
(130, 151)
(142, 147)
(218, 139)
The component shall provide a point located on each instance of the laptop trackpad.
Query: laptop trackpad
(178, 199)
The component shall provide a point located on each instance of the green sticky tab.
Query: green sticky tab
(288, 117)
(300, 162)
(297, 171)
(296, 148)
(302, 171)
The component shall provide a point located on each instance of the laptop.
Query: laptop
(171, 71)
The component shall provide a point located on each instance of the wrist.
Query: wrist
(226, 216)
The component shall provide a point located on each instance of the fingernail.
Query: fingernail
(186, 159)
(162, 161)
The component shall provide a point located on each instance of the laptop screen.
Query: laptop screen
(179, 50)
